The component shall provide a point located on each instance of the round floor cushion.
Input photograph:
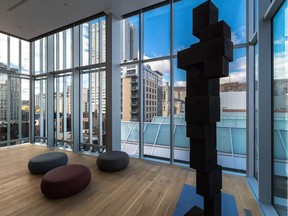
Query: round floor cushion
(65, 181)
(43, 163)
(112, 161)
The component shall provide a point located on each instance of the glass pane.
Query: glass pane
(125, 130)
(280, 108)
(230, 130)
(183, 36)
(40, 56)
(163, 137)
(3, 108)
(156, 32)
(156, 101)
(150, 133)
(15, 98)
(130, 108)
(134, 135)
(239, 140)
(130, 39)
(40, 111)
(25, 57)
(84, 37)
(98, 34)
(68, 49)
(130, 93)
(14, 54)
(3, 51)
(223, 140)
(234, 14)
(93, 109)
(25, 103)
(181, 141)
(63, 101)
(256, 112)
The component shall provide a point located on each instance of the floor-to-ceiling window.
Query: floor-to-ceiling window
(39, 71)
(55, 55)
(280, 110)
(14, 90)
(151, 79)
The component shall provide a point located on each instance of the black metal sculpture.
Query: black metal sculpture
(205, 62)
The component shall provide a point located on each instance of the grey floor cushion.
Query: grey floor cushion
(43, 163)
(112, 161)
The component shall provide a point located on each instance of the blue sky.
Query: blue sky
(280, 42)
(157, 34)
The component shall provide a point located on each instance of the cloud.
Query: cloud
(281, 65)
(163, 66)
(238, 65)
(281, 41)
(234, 77)
(237, 72)
(239, 35)
(180, 84)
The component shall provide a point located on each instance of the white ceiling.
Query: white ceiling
(28, 19)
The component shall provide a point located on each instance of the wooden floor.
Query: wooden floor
(144, 188)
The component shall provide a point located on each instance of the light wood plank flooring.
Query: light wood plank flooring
(144, 188)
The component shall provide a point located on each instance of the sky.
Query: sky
(157, 36)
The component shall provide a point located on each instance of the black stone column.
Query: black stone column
(206, 62)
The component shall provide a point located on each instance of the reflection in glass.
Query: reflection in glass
(40, 110)
(256, 112)
(62, 110)
(231, 130)
(40, 51)
(25, 57)
(156, 32)
(3, 51)
(93, 42)
(3, 108)
(14, 54)
(280, 109)
(181, 141)
(93, 109)
(25, 103)
(130, 108)
(156, 101)
(63, 50)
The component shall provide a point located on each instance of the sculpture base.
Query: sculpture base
(195, 211)
(189, 198)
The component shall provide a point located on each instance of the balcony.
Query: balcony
(135, 111)
(134, 96)
(134, 103)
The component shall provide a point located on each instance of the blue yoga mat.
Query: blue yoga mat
(189, 198)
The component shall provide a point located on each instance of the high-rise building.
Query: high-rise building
(129, 41)
(98, 55)
(13, 86)
(152, 86)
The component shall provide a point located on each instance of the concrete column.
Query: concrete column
(265, 104)
(113, 83)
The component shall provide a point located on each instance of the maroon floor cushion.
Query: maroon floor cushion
(65, 181)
